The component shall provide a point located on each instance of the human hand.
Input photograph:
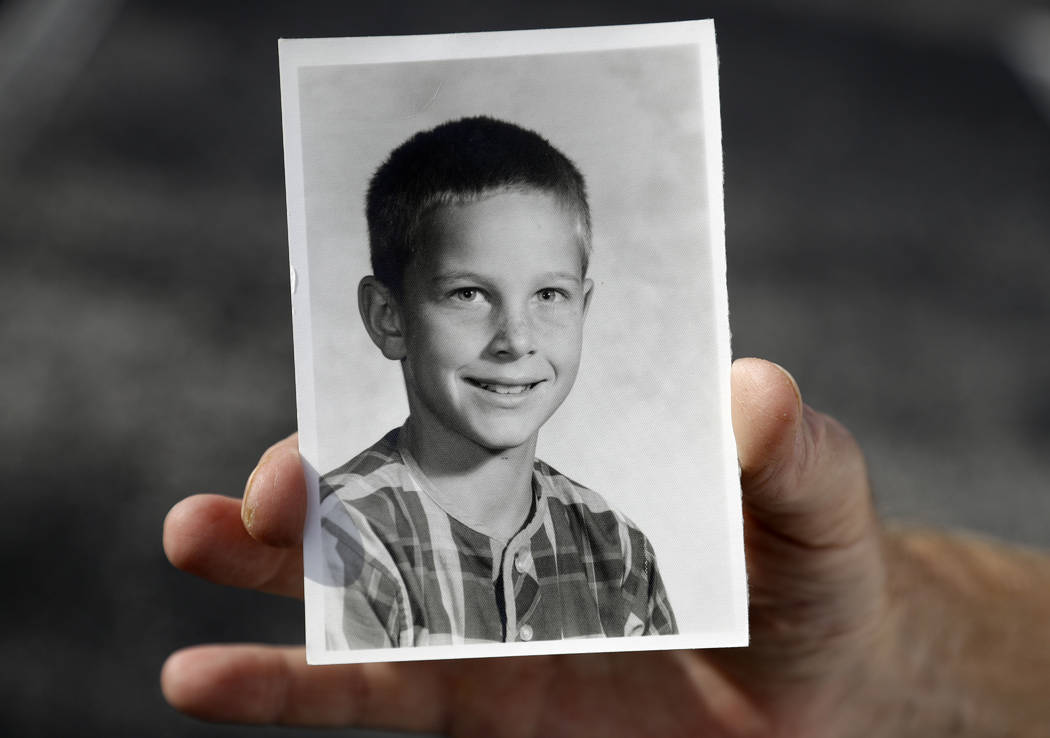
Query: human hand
(822, 622)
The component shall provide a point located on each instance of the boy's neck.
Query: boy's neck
(489, 490)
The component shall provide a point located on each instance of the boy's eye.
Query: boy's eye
(467, 294)
(550, 294)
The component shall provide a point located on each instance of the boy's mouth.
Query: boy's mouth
(503, 389)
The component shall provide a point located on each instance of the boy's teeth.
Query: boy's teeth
(505, 389)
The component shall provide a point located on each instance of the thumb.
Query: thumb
(815, 573)
(803, 476)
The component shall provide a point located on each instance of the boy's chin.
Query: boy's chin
(499, 441)
(503, 445)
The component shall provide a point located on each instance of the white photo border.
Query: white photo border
(298, 54)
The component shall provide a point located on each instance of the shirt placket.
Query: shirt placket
(521, 589)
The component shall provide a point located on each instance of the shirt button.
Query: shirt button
(525, 632)
(521, 564)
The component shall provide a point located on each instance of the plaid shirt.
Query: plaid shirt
(406, 573)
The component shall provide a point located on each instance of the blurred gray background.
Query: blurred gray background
(888, 210)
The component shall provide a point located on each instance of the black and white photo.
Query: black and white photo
(512, 343)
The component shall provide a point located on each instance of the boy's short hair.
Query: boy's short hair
(458, 162)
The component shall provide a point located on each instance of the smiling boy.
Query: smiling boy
(449, 530)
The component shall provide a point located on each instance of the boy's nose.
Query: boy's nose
(513, 338)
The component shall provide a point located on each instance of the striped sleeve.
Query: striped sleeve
(660, 620)
(364, 598)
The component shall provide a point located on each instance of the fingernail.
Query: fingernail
(248, 503)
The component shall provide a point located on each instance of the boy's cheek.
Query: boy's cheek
(444, 319)
(438, 328)
(564, 318)
(571, 333)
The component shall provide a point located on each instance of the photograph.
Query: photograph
(512, 343)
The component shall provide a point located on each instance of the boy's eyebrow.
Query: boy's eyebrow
(455, 275)
(570, 276)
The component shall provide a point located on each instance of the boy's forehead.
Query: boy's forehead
(493, 231)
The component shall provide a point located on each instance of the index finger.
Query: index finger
(204, 535)
(255, 543)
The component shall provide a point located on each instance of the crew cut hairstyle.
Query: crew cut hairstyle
(458, 162)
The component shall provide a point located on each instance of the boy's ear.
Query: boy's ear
(382, 317)
(588, 290)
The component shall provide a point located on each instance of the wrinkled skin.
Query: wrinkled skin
(820, 609)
